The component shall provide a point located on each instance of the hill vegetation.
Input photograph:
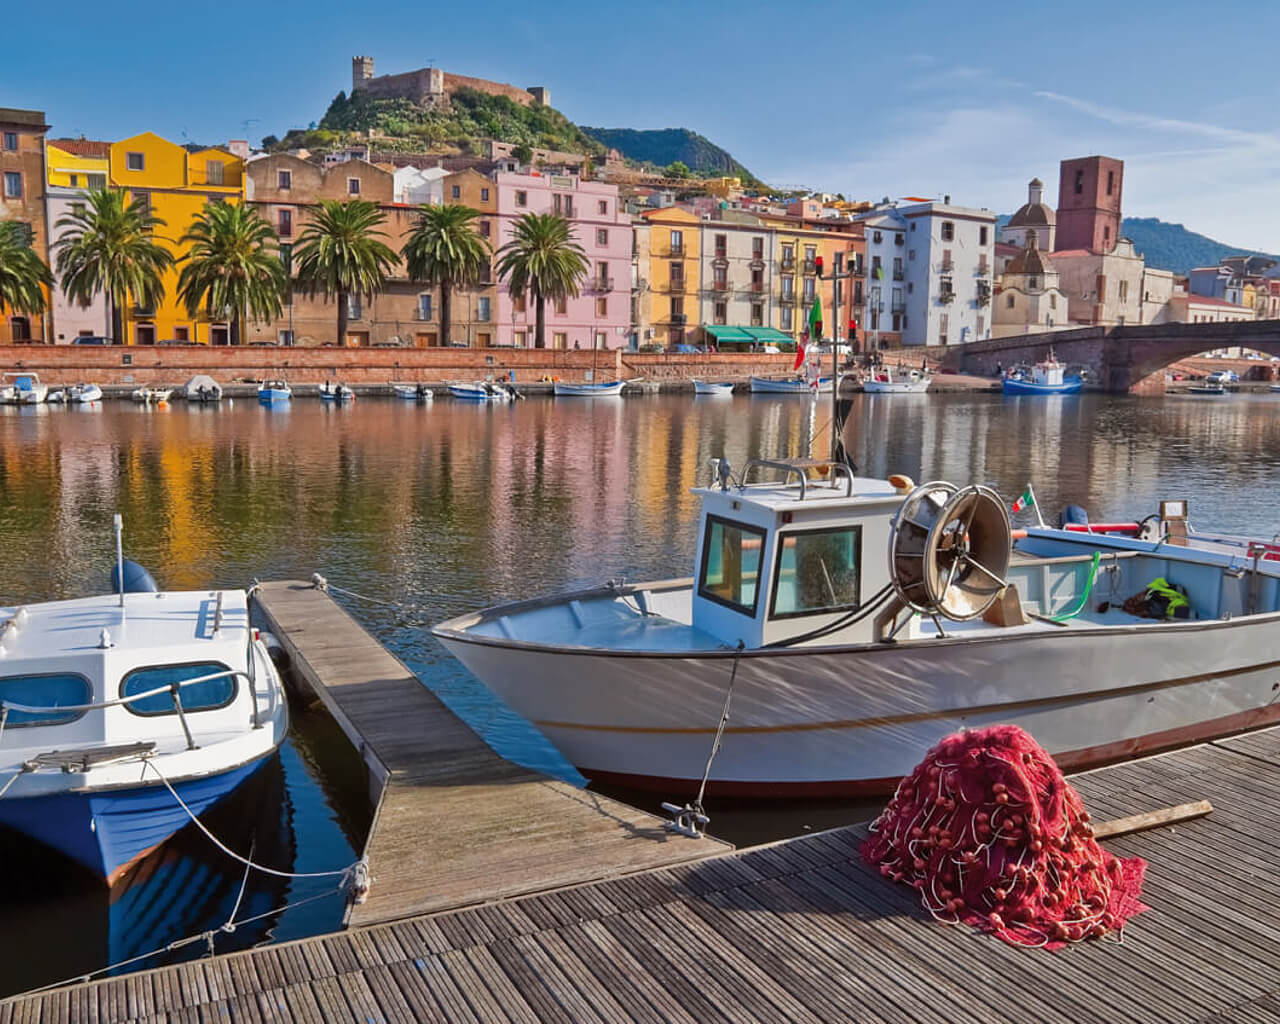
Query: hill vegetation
(661, 147)
(1172, 247)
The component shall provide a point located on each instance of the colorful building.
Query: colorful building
(72, 166)
(675, 244)
(22, 199)
(600, 316)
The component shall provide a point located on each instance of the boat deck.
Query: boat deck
(799, 930)
(455, 823)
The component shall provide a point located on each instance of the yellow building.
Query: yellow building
(672, 275)
(177, 185)
(798, 248)
(77, 163)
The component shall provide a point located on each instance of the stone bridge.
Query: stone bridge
(1119, 359)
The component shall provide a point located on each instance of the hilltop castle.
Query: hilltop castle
(432, 87)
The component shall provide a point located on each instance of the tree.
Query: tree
(445, 249)
(22, 272)
(542, 260)
(523, 153)
(233, 265)
(340, 255)
(109, 246)
(270, 141)
(677, 169)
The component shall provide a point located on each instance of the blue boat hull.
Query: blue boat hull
(1069, 386)
(107, 831)
(267, 397)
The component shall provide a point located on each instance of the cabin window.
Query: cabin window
(54, 690)
(731, 559)
(817, 572)
(206, 696)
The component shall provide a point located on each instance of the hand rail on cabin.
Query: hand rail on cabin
(797, 467)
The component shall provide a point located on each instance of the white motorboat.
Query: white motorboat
(588, 389)
(274, 391)
(823, 610)
(22, 389)
(336, 391)
(116, 706)
(790, 385)
(151, 396)
(56, 397)
(481, 391)
(203, 389)
(1207, 388)
(883, 382)
(712, 387)
(84, 394)
(413, 392)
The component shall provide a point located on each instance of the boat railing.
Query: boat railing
(173, 688)
(797, 468)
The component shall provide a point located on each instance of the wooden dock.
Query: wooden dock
(454, 823)
(799, 931)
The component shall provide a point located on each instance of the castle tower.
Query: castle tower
(1089, 190)
(541, 95)
(361, 72)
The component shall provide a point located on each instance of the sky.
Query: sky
(871, 100)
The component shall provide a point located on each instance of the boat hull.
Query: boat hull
(108, 830)
(1070, 386)
(712, 387)
(896, 387)
(769, 386)
(473, 394)
(269, 395)
(610, 389)
(852, 720)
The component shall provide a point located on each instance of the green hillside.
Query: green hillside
(1172, 247)
(663, 146)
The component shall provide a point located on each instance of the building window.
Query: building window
(911, 254)
(285, 223)
(602, 236)
(484, 195)
(568, 206)
(213, 172)
(788, 255)
(942, 328)
(353, 186)
(522, 198)
(75, 180)
(1106, 233)
(482, 309)
(602, 207)
(485, 229)
(602, 306)
(562, 306)
(182, 334)
(757, 314)
(898, 273)
(1124, 291)
(982, 325)
(948, 231)
(12, 185)
(1111, 182)
(788, 286)
(95, 181)
(11, 141)
(786, 318)
(424, 307)
(677, 309)
(808, 289)
(518, 302)
(559, 340)
(135, 162)
(521, 339)
(722, 246)
(1053, 300)
(455, 191)
(677, 243)
(897, 321)
(721, 312)
(354, 310)
(757, 248)
(284, 180)
(602, 340)
(982, 236)
(1009, 302)
(1033, 282)
(1079, 183)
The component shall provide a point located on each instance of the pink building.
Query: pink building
(601, 314)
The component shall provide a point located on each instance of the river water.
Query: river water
(444, 508)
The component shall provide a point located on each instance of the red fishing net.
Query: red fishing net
(989, 832)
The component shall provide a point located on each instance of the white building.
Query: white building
(1035, 218)
(416, 186)
(929, 269)
(1029, 300)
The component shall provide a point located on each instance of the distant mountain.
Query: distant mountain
(664, 146)
(1172, 247)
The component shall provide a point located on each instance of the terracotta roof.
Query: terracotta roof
(1007, 249)
(1071, 253)
(1030, 261)
(1207, 300)
(1039, 215)
(83, 147)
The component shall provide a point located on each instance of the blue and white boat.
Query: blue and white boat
(712, 387)
(1046, 378)
(126, 714)
(790, 386)
(480, 391)
(588, 389)
(335, 391)
(22, 389)
(274, 391)
(413, 392)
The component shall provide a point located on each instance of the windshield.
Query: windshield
(731, 558)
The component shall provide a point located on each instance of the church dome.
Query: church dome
(1033, 215)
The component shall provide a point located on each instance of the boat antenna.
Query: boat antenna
(118, 523)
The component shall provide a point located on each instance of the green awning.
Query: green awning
(723, 334)
(770, 336)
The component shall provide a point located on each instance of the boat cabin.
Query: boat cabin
(778, 561)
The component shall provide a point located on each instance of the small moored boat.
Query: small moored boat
(712, 387)
(202, 388)
(481, 391)
(1207, 388)
(588, 389)
(790, 386)
(335, 391)
(413, 392)
(22, 389)
(151, 396)
(883, 382)
(1044, 378)
(274, 391)
(84, 394)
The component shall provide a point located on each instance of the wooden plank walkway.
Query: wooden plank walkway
(454, 823)
(796, 931)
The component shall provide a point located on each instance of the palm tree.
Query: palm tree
(22, 272)
(233, 264)
(340, 255)
(110, 247)
(445, 249)
(543, 260)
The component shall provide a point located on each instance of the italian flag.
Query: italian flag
(1026, 500)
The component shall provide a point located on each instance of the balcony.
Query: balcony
(757, 261)
(788, 263)
(810, 266)
(982, 270)
(675, 286)
(946, 297)
(719, 286)
(676, 318)
(720, 259)
(423, 316)
(675, 252)
(898, 307)
(600, 284)
(946, 266)
(757, 287)
(788, 298)
(899, 275)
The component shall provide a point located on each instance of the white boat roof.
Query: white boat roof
(772, 497)
(159, 627)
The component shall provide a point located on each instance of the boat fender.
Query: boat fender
(136, 579)
(1073, 514)
(901, 483)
